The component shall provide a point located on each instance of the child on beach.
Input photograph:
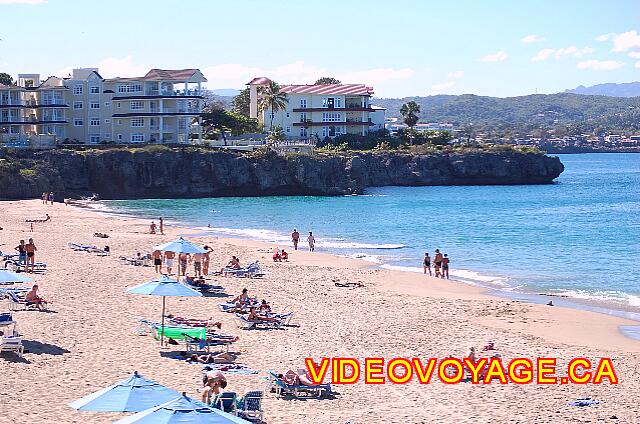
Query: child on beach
(426, 264)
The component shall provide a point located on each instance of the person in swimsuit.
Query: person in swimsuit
(206, 258)
(183, 258)
(30, 248)
(426, 264)
(157, 260)
(32, 298)
(242, 299)
(51, 197)
(295, 238)
(152, 228)
(284, 255)
(312, 242)
(22, 254)
(197, 263)
(44, 198)
(437, 262)
(169, 257)
(234, 263)
(445, 267)
(161, 226)
(254, 316)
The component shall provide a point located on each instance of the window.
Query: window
(94, 105)
(119, 137)
(288, 129)
(107, 121)
(94, 89)
(94, 139)
(287, 114)
(107, 136)
(107, 104)
(118, 104)
(182, 124)
(78, 123)
(77, 105)
(303, 132)
(77, 90)
(331, 117)
(303, 103)
(137, 122)
(94, 122)
(137, 138)
(331, 102)
(119, 121)
(129, 88)
(303, 117)
(136, 105)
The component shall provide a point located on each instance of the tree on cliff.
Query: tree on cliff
(215, 118)
(276, 135)
(273, 99)
(240, 103)
(5, 79)
(409, 112)
(327, 80)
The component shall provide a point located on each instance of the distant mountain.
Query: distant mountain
(627, 89)
(225, 92)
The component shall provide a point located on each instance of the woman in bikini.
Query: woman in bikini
(426, 264)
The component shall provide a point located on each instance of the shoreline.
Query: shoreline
(599, 306)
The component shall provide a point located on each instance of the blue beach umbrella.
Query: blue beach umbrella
(7, 276)
(133, 394)
(180, 245)
(164, 286)
(182, 410)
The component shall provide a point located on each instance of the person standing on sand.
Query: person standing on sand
(312, 242)
(426, 263)
(295, 238)
(169, 257)
(51, 197)
(22, 254)
(206, 258)
(197, 264)
(161, 226)
(30, 248)
(183, 260)
(157, 261)
(44, 198)
(445, 267)
(152, 228)
(437, 262)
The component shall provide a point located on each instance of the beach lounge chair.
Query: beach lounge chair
(88, 248)
(13, 264)
(225, 401)
(246, 324)
(249, 407)
(195, 344)
(17, 302)
(251, 271)
(282, 389)
(12, 344)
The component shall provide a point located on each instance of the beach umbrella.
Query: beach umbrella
(164, 286)
(133, 394)
(182, 410)
(180, 245)
(7, 276)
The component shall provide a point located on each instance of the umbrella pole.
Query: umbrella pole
(162, 327)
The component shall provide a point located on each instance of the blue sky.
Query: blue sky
(401, 47)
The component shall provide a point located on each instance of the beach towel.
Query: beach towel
(230, 369)
(584, 402)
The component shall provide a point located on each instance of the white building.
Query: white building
(325, 110)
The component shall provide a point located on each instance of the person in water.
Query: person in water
(426, 263)
(437, 262)
(295, 238)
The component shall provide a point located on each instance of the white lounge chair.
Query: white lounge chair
(12, 344)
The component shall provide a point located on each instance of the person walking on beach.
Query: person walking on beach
(157, 261)
(312, 242)
(426, 264)
(445, 267)
(152, 228)
(51, 197)
(22, 254)
(44, 198)
(206, 258)
(30, 248)
(161, 226)
(295, 238)
(437, 262)
(169, 257)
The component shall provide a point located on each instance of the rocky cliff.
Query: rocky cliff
(166, 173)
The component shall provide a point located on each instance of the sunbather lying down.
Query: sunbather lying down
(297, 378)
(47, 218)
(254, 316)
(101, 235)
(194, 322)
(210, 358)
(350, 285)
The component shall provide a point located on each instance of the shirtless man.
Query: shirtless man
(157, 261)
(445, 267)
(32, 298)
(295, 238)
(152, 228)
(169, 258)
(183, 259)
(437, 262)
(30, 248)
(197, 263)
(312, 242)
(426, 264)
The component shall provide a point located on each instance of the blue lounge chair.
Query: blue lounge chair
(225, 401)
(249, 406)
(252, 270)
(282, 389)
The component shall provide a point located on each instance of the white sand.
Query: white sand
(90, 341)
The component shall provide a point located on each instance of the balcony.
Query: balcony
(155, 93)
(331, 124)
(349, 108)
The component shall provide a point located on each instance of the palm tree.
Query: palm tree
(273, 99)
(409, 112)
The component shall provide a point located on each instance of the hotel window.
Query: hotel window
(118, 104)
(94, 105)
(288, 129)
(287, 114)
(94, 90)
(107, 121)
(182, 124)
(77, 105)
(119, 137)
(136, 105)
(94, 139)
(107, 136)
(303, 103)
(331, 117)
(137, 138)
(129, 88)
(303, 117)
(77, 122)
(77, 90)
(119, 121)
(107, 104)
(137, 122)
(303, 132)
(94, 122)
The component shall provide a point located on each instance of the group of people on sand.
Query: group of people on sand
(153, 228)
(200, 262)
(280, 255)
(27, 254)
(440, 264)
(47, 198)
(295, 238)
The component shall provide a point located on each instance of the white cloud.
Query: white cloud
(532, 38)
(571, 51)
(439, 88)
(455, 75)
(23, 1)
(600, 65)
(543, 54)
(605, 37)
(634, 55)
(626, 41)
(638, 65)
(495, 57)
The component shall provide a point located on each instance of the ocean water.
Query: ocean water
(579, 237)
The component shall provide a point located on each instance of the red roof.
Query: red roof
(348, 89)
(259, 81)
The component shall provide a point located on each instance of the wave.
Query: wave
(598, 296)
(364, 257)
(353, 245)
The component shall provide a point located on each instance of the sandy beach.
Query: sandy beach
(88, 341)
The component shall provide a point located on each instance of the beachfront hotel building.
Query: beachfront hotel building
(324, 110)
(163, 106)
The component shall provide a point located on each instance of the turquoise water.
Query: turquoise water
(578, 237)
